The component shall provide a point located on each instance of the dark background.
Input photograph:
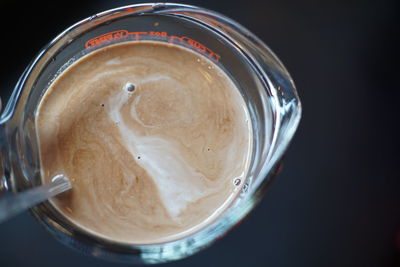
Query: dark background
(336, 203)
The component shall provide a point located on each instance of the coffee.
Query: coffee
(155, 138)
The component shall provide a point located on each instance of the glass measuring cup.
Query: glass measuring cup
(265, 85)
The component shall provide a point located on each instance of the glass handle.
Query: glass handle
(3, 181)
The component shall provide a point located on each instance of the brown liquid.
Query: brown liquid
(152, 136)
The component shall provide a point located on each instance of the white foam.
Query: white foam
(114, 61)
(154, 78)
(178, 183)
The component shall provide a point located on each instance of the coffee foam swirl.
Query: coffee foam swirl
(177, 182)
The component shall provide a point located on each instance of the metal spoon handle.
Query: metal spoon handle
(11, 205)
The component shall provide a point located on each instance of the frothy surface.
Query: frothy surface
(152, 136)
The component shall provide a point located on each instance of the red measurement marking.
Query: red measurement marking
(161, 34)
(107, 37)
(184, 40)
(196, 45)
(137, 34)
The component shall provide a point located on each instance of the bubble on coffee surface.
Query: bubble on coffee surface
(129, 87)
(237, 181)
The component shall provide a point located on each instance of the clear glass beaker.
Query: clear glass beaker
(265, 85)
